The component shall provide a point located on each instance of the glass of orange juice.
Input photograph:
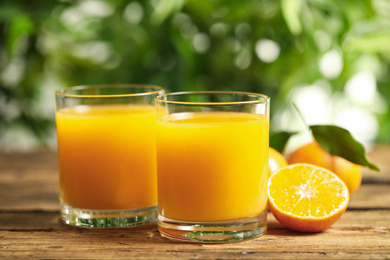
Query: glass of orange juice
(212, 153)
(106, 150)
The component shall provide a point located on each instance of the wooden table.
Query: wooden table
(30, 226)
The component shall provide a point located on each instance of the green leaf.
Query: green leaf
(279, 140)
(339, 141)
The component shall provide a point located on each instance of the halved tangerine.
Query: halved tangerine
(306, 198)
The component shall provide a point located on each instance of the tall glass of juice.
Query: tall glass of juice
(212, 153)
(106, 150)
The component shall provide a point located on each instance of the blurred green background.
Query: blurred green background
(329, 57)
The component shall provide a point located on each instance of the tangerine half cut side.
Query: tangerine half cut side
(307, 198)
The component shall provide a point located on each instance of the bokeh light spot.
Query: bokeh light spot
(133, 13)
(331, 64)
(361, 87)
(201, 42)
(267, 50)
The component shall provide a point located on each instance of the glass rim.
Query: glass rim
(262, 98)
(62, 91)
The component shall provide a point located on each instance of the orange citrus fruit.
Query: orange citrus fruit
(313, 153)
(306, 198)
(275, 160)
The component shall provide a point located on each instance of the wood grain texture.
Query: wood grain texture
(43, 196)
(358, 234)
(380, 155)
(30, 226)
(30, 182)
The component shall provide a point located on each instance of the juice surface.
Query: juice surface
(107, 156)
(212, 166)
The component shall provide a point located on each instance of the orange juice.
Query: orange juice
(107, 156)
(212, 166)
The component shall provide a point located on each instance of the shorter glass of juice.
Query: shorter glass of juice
(212, 154)
(106, 150)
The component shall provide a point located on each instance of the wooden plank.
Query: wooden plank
(30, 226)
(380, 155)
(357, 235)
(29, 190)
(48, 161)
(371, 196)
(48, 221)
(41, 193)
(43, 160)
(30, 182)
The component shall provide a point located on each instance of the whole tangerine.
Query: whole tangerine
(275, 160)
(313, 153)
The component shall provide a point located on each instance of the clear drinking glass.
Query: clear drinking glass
(106, 151)
(212, 157)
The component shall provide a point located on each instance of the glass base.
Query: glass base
(213, 232)
(107, 218)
